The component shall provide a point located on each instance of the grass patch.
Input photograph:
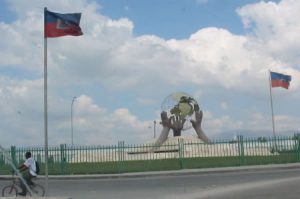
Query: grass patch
(159, 165)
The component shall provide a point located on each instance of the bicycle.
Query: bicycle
(13, 189)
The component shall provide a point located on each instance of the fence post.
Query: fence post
(2, 159)
(181, 153)
(241, 149)
(39, 158)
(120, 156)
(62, 158)
(297, 146)
(13, 155)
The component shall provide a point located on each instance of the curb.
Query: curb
(170, 173)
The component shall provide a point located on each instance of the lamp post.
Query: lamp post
(154, 129)
(72, 120)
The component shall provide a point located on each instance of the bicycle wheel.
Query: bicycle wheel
(37, 190)
(9, 191)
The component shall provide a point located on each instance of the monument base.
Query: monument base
(171, 145)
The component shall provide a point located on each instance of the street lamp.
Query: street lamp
(72, 119)
(154, 129)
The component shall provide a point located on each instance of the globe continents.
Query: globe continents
(181, 105)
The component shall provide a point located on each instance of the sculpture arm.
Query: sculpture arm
(166, 122)
(163, 136)
(202, 135)
(177, 123)
(197, 126)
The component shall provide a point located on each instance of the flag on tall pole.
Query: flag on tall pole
(277, 80)
(280, 80)
(55, 25)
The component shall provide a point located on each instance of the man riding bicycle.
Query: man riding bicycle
(30, 166)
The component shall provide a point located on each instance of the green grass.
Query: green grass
(160, 165)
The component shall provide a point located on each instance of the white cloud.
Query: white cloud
(144, 101)
(224, 105)
(255, 124)
(110, 57)
(275, 27)
(9, 59)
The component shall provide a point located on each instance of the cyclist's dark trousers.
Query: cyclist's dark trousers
(27, 177)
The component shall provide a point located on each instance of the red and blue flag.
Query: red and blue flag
(280, 80)
(58, 25)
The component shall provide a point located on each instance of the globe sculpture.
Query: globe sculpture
(180, 105)
(179, 112)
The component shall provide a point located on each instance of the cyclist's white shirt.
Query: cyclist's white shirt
(30, 164)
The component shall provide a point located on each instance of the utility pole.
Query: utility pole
(154, 129)
(72, 120)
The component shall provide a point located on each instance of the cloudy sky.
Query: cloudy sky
(133, 54)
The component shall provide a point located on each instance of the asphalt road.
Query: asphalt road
(261, 184)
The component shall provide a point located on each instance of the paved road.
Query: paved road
(261, 184)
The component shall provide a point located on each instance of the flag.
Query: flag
(57, 25)
(280, 80)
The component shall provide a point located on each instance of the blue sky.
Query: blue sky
(177, 19)
(135, 53)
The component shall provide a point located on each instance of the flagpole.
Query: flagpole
(271, 102)
(76, 32)
(45, 106)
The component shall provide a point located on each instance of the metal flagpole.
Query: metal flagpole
(45, 107)
(271, 100)
(72, 143)
(273, 121)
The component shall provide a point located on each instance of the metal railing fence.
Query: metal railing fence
(178, 154)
